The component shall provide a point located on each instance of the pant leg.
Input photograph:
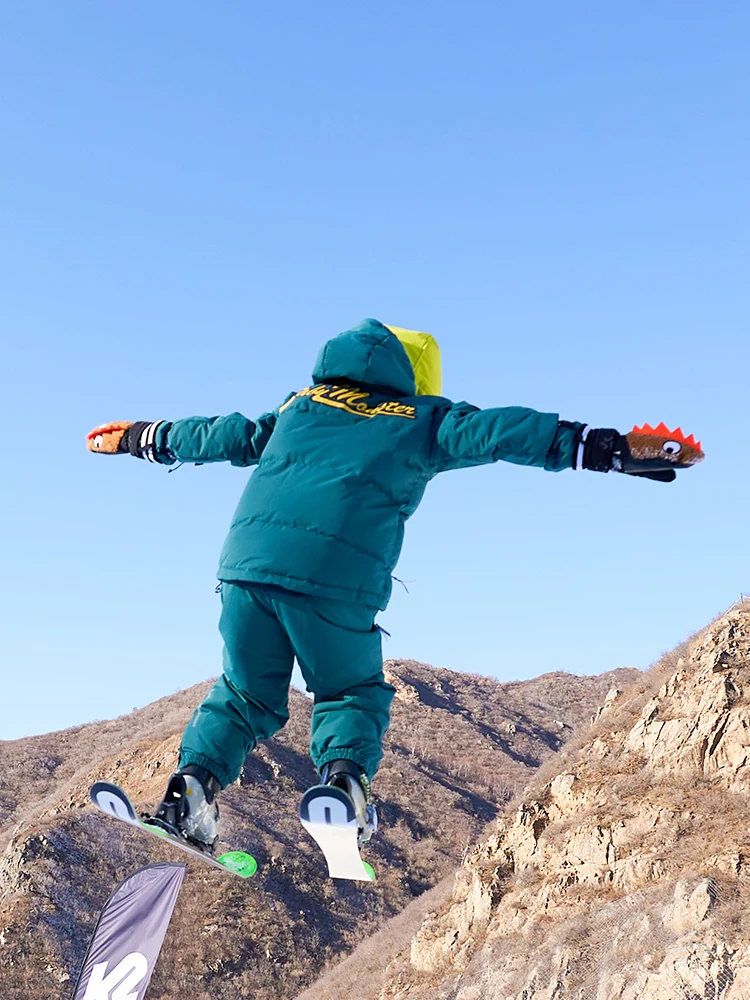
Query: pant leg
(249, 702)
(351, 724)
(338, 648)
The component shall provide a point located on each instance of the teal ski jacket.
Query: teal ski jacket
(342, 464)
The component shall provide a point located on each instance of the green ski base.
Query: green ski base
(237, 862)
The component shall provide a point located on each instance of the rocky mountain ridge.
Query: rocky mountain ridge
(624, 871)
(459, 746)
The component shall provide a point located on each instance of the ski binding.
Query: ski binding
(113, 801)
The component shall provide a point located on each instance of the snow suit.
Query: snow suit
(341, 466)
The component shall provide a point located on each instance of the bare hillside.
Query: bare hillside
(40, 767)
(623, 871)
(459, 747)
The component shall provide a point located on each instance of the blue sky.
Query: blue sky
(194, 197)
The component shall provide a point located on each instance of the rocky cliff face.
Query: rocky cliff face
(624, 873)
(459, 746)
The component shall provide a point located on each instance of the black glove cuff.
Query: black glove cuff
(599, 448)
(141, 439)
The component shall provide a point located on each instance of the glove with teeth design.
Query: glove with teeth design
(649, 452)
(123, 437)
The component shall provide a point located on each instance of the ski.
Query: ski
(113, 801)
(327, 813)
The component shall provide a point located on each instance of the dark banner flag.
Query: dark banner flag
(129, 935)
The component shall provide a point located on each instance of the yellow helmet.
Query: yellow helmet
(424, 354)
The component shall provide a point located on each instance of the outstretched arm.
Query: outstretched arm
(233, 438)
(469, 436)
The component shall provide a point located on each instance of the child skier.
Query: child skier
(307, 563)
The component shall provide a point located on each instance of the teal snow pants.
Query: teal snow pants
(337, 646)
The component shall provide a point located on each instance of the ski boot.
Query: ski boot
(352, 780)
(189, 809)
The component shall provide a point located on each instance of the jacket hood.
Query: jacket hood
(424, 354)
(368, 354)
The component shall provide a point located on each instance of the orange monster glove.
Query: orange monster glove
(125, 438)
(650, 452)
(108, 439)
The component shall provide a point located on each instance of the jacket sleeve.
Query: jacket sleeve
(233, 438)
(468, 436)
